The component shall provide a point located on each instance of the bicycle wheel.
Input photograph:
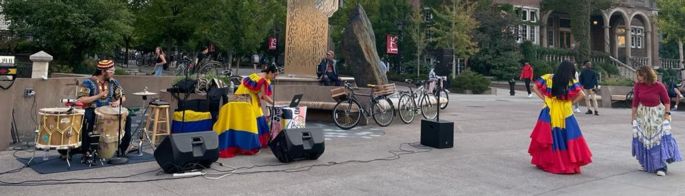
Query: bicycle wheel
(406, 109)
(180, 69)
(209, 68)
(443, 93)
(428, 106)
(383, 111)
(347, 113)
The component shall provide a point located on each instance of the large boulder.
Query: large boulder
(359, 50)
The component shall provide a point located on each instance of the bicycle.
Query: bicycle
(204, 67)
(411, 100)
(441, 91)
(346, 111)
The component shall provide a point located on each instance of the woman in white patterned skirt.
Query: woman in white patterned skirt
(653, 145)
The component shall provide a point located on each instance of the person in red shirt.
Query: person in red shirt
(527, 76)
(653, 144)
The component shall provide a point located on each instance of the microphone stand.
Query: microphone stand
(439, 85)
(119, 159)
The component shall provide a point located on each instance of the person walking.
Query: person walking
(160, 61)
(588, 78)
(527, 76)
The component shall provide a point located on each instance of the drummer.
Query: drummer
(102, 90)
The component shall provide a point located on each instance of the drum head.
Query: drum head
(60, 111)
(108, 110)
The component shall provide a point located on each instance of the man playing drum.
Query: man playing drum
(102, 90)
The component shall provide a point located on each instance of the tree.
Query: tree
(166, 23)
(498, 53)
(671, 20)
(454, 25)
(416, 32)
(236, 27)
(580, 12)
(70, 29)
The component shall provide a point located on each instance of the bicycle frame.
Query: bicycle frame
(353, 96)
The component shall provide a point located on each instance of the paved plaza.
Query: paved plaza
(489, 158)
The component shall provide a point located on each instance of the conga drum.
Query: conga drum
(107, 126)
(59, 128)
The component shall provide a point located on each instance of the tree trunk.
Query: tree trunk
(680, 55)
(454, 65)
(418, 62)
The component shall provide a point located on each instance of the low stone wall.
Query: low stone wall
(49, 93)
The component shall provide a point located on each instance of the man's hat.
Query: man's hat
(105, 64)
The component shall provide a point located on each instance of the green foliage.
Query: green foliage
(69, 30)
(617, 82)
(470, 80)
(606, 68)
(454, 23)
(541, 67)
(671, 19)
(528, 50)
(120, 72)
(237, 26)
(60, 68)
(668, 75)
(498, 54)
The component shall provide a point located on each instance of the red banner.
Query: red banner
(391, 44)
(273, 43)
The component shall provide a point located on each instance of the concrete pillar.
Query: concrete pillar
(543, 34)
(655, 42)
(628, 41)
(648, 45)
(607, 39)
(607, 33)
(41, 64)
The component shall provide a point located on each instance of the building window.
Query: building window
(528, 32)
(637, 36)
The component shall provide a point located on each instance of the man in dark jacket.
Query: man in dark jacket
(326, 72)
(588, 78)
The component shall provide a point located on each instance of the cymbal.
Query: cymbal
(144, 93)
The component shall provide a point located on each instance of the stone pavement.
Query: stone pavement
(489, 158)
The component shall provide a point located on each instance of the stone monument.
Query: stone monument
(306, 39)
(359, 50)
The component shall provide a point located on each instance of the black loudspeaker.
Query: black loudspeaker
(297, 144)
(186, 151)
(437, 134)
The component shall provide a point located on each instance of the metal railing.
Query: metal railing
(624, 70)
(669, 63)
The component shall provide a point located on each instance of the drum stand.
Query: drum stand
(143, 133)
(28, 164)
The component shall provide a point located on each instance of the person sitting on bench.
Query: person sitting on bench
(326, 72)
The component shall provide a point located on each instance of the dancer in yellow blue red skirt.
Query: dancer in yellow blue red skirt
(242, 127)
(557, 144)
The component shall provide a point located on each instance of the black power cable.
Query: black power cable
(396, 154)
